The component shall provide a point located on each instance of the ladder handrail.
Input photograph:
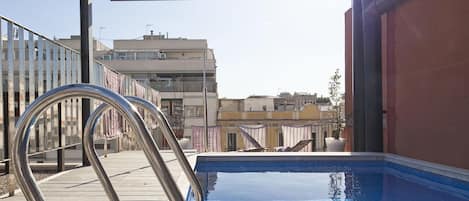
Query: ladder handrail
(168, 133)
(23, 173)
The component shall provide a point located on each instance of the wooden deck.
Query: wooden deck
(130, 173)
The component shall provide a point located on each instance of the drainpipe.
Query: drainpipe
(204, 88)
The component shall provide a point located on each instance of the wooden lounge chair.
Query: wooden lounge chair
(298, 146)
(258, 148)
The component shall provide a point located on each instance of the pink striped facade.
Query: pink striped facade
(139, 90)
(112, 122)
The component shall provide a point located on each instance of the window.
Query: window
(173, 110)
(106, 57)
(194, 111)
(146, 55)
(280, 139)
(313, 136)
(126, 55)
(122, 55)
(231, 141)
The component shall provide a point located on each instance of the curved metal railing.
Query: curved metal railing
(24, 175)
(167, 132)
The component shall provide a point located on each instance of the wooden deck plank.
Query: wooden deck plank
(130, 173)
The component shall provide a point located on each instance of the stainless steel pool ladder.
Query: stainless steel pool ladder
(27, 120)
(168, 133)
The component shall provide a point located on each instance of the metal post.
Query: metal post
(358, 79)
(11, 103)
(86, 51)
(60, 152)
(205, 102)
(373, 81)
(367, 90)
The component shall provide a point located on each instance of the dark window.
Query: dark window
(280, 138)
(231, 142)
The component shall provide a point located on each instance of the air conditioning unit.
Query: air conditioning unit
(162, 55)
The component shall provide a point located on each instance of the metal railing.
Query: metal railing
(26, 121)
(168, 133)
(31, 65)
(183, 86)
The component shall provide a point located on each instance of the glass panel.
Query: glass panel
(40, 91)
(63, 105)
(74, 101)
(31, 86)
(21, 81)
(79, 114)
(69, 103)
(55, 108)
(48, 113)
(11, 86)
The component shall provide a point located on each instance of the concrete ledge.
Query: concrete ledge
(435, 168)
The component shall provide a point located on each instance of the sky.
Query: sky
(262, 47)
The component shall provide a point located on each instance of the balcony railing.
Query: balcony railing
(183, 86)
(32, 64)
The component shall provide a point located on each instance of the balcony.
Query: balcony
(162, 66)
(183, 86)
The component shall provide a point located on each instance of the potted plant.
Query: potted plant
(335, 143)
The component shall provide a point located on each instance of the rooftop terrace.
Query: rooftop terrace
(129, 171)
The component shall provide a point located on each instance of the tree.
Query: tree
(336, 97)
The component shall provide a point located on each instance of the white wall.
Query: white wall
(257, 104)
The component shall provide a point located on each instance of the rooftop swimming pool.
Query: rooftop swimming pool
(246, 178)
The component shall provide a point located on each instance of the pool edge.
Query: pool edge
(435, 168)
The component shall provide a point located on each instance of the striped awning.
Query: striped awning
(214, 138)
(294, 134)
(254, 136)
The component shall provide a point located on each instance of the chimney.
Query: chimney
(151, 32)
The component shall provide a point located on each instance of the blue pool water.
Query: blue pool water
(325, 180)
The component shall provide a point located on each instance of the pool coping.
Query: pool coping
(435, 168)
(425, 166)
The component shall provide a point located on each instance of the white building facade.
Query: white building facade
(173, 66)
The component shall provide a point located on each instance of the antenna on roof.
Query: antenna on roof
(147, 26)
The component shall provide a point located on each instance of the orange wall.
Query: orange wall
(426, 80)
(348, 81)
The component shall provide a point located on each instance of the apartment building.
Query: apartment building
(173, 66)
(296, 101)
(272, 112)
